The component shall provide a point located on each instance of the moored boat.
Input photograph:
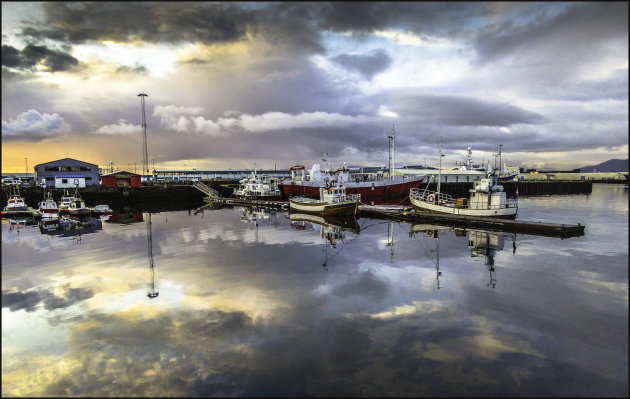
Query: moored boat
(48, 207)
(77, 206)
(66, 200)
(15, 201)
(333, 201)
(257, 187)
(375, 184)
(102, 210)
(487, 199)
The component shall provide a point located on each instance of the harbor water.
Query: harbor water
(246, 302)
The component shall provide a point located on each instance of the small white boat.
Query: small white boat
(15, 202)
(487, 199)
(48, 207)
(102, 210)
(77, 205)
(66, 200)
(257, 187)
(333, 201)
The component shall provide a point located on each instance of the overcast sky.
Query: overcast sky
(233, 84)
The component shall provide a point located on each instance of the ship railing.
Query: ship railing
(438, 198)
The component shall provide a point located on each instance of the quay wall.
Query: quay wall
(183, 196)
(524, 188)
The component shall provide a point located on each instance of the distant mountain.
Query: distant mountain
(612, 165)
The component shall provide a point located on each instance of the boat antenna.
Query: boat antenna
(392, 152)
(440, 170)
(145, 152)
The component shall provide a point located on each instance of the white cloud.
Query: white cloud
(119, 128)
(33, 124)
(281, 121)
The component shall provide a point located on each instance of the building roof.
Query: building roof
(121, 173)
(65, 160)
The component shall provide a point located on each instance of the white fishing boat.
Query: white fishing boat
(333, 201)
(15, 202)
(259, 187)
(66, 200)
(374, 184)
(487, 199)
(48, 207)
(77, 206)
(102, 210)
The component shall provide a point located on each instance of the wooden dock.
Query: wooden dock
(405, 214)
(493, 224)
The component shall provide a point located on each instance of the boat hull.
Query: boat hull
(503, 213)
(379, 188)
(324, 208)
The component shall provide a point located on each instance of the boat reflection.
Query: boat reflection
(65, 226)
(125, 218)
(482, 244)
(332, 229)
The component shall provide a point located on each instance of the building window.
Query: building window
(64, 181)
(456, 179)
(88, 178)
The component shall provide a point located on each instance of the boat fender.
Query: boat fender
(431, 199)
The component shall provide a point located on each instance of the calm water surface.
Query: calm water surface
(256, 304)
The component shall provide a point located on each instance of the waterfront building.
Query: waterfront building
(67, 172)
(121, 179)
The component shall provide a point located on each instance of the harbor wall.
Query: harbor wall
(524, 188)
(182, 196)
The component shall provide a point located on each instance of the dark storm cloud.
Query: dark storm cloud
(152, 22)
(456, 110)
(422, 18)
(367, 65)
(571, 32)
(31, 55)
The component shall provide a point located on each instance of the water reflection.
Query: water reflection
(152, 293)
(482, 243)
(235, 317)
(332, 229)
(66, 226)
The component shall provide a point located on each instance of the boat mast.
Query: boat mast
(392, 153)
(440, 170)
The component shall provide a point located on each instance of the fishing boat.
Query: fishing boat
(77, 206)
(487, 199)
(66, 200)
(376, 184)
(48, 207)
(332, 201)
(257, 187)
(102, 210)
(15, 201)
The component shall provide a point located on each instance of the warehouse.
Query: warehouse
(67, 168)
(121, 179)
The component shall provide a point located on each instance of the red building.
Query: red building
(121, 179)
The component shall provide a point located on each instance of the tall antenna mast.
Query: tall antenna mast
(392, 153)
(145, 151)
